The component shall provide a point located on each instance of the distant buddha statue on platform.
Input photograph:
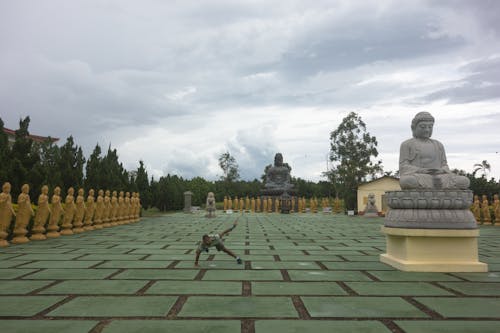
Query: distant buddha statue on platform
(278, 178)
(422, 160)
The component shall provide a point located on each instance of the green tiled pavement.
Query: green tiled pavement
(243, 275)
(296, 288)
(26, 306)
(301, 273)
(474, 289)
(181, 326)
(12, 273)
(238, 306)
(78, 287)
(115, 306)
(21, 287)
(195, 287)
(463, 307)
(60, 264)
(11, 263)
(397, 288)
(284, 265)
(211, 264)
(74, 273)
(352, 307)
(413, 276)
(446, 326)
(157, 274)
(327, 276)
(134, 264)
(47, 326)
(319, 326)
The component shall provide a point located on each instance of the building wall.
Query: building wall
(378, 187)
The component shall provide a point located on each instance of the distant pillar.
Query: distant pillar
(187, 201)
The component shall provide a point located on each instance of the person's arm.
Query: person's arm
(225, 232)
(197, 257)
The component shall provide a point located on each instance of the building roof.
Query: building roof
(380, 178)
(36, 138)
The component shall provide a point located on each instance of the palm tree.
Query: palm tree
(484, 166)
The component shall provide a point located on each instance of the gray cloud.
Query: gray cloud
(116, 71)
(481, 83)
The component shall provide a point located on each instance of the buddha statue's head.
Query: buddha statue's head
(278, 159)
(6, 187)
(422, 125)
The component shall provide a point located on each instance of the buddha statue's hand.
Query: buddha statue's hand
(431, 171)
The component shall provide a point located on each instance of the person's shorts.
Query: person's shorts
(220, 245)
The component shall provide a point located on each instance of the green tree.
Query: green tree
(112, 174)
(351, 151)
(23, 158)
(483, 186)
(93, 172)
(49, 157)
(142, 185)
(200, 188)
(229, 167)
(71, 162)
(169, 193)
(484, 167)
(4, 155)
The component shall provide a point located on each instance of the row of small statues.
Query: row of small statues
(481, 210)
(75, 216)
(266, 204)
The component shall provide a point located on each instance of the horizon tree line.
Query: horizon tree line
(352, 150)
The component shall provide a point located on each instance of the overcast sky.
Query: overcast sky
(177, 83)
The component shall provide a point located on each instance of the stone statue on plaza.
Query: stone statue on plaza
(422, 160)
(89, 211)
(41, 216)
(106, 213)
(433, 197)
(121, 207)
(138, 207)
(99, 210)
(485, 209)
(429, 226)
(278, 180)
(24, 213)
(371, 209)
(79, 212)
(55, 214)
(69, 213)
(476, 209)
(496, 208)
(210, 205)
(114, 208)
(6, 213)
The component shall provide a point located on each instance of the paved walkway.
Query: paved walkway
(302, 273)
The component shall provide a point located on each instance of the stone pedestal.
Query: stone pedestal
(53, 231)
(430, 209)
(187, 201)
(20, 236)
(3, 239)
(66, 228)
(38, 233)
(431, 231)
(432, 250)
(370, 214)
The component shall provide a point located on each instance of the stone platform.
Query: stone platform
(302, 272)
(436, 209)
(432, 250)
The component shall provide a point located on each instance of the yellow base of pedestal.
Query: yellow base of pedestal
(432, 250)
